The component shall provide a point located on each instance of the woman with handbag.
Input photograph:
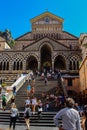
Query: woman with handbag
(13, 116)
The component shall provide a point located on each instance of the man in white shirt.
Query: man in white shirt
(70, 117)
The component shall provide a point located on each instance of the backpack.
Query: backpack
(27, 114)
(4, 99)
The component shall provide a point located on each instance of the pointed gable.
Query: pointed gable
(46, 22)
(45, 15)
(46, 40)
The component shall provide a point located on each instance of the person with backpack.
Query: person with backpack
(14, 90)
(27, 115)
(4, 100)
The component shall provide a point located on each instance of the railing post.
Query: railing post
(0, 101)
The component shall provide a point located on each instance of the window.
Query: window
(46, 19)
(70, 82)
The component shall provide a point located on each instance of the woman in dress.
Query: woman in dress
(33, 103)
(28, 90)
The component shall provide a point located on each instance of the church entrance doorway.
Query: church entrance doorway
(46, 62)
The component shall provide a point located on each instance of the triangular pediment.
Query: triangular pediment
(47, 15)
(46, 40)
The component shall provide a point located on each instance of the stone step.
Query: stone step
(47, 117)
(46, 120)
(31, 124)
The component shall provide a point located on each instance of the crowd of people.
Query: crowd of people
(32, 104)
(77, 115)
(69, 111)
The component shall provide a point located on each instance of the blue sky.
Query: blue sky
(15, 15)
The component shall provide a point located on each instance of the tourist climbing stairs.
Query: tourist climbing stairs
(39, 89)
(47, 117)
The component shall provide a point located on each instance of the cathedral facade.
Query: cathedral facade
(46, 46)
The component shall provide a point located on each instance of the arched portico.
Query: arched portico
(46, 57)
(59, 63)
(31, 63)
(5, 62)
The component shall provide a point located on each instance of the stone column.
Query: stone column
(75, 65)
(53, 65)
(67, 65)
(72, 66)
(52, 58)
(10, 66)
(15, 65)
(24, 65)
(38, 65)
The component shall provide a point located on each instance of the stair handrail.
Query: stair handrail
(18, 83)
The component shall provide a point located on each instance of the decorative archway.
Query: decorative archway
(46, 61)
(74, 62)
(59, 63)
(31, 63)
(5, 62)
(17, 63)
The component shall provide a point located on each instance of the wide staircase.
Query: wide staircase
(45, 121)
(39, 89)
(47, 117)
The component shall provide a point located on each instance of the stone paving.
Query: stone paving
(22, 127)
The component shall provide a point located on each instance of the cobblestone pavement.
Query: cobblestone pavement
(22, 127)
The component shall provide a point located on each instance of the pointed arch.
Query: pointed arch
(59, 63)
(46, 56)
(18, 61)
(31, 63)
(74, 62)
(4, 61)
